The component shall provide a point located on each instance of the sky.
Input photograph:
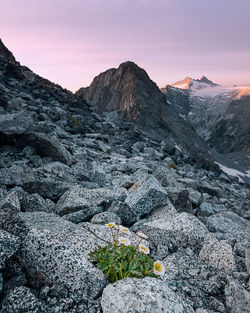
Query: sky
(71, 41)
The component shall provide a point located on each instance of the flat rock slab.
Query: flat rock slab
(78, 198)
(133, 295)
(9, 244)
(55, 251)
(181, 230)
(218, 254)
(146, 196)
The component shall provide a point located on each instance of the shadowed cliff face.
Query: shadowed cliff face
(129, 91)
(5, 53)
(126, 90)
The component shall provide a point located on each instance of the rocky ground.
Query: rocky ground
(65, 171)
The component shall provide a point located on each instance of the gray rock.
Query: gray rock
(166, 176)
(31, 202)
(103, 147)
(48, 146)
(127, 215)
(10, 202)
(82, 215)
(132, 295)
(21, 299)
(182, 230)
(56, 251)
(9, 244)
(194, 278)
(47, 188)
(204, 186)
(16, 175)
(88, 172)
(206, 209)
(138, 146)
(180, 199)
(3, 194)
(78, 198)
(218, 254)
(164, 212)
(237, 298)
(106, 217)
(195, 197)
(146, 196)
(228, 225)
(16, 123)
(9, 221)
(1, 283)
(247, 260)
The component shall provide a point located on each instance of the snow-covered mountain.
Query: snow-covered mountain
(220, 114)
(194, 84)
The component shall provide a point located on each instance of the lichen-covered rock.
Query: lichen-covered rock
(78, 198)
(125, 212)
(9, 221)
(15, 124)
(83, 215)
(9, 244)
(228, 225)
(247, 259)
(46, 188)
(48, 146)
(180, 199)
(237, 298)
(58, 254)
(16, 175)
(218, 254)
(205, 209)
(132, 295)
(188, 274)
(182, 230)
(21, 299)
(146, 196)
(106, 217)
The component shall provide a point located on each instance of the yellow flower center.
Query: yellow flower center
(110, 225)
(158, 267)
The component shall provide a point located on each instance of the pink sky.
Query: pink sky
(71, 41)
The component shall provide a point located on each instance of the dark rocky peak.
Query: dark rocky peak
(204, 79)
(127, 90)
(5, 53)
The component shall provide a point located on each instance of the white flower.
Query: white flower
(143, 249)
(141, 235)
(124, 230)
(116, 227)
(159, 268)
(124, 241)
(110, 225)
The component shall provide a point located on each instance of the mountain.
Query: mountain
(219, 114)
(129, 91)
(190, 83)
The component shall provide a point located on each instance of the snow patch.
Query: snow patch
(233, 171)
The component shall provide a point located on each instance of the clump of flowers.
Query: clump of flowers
(120, 259)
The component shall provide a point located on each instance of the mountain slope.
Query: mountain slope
(129, 91)
(219, 114)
